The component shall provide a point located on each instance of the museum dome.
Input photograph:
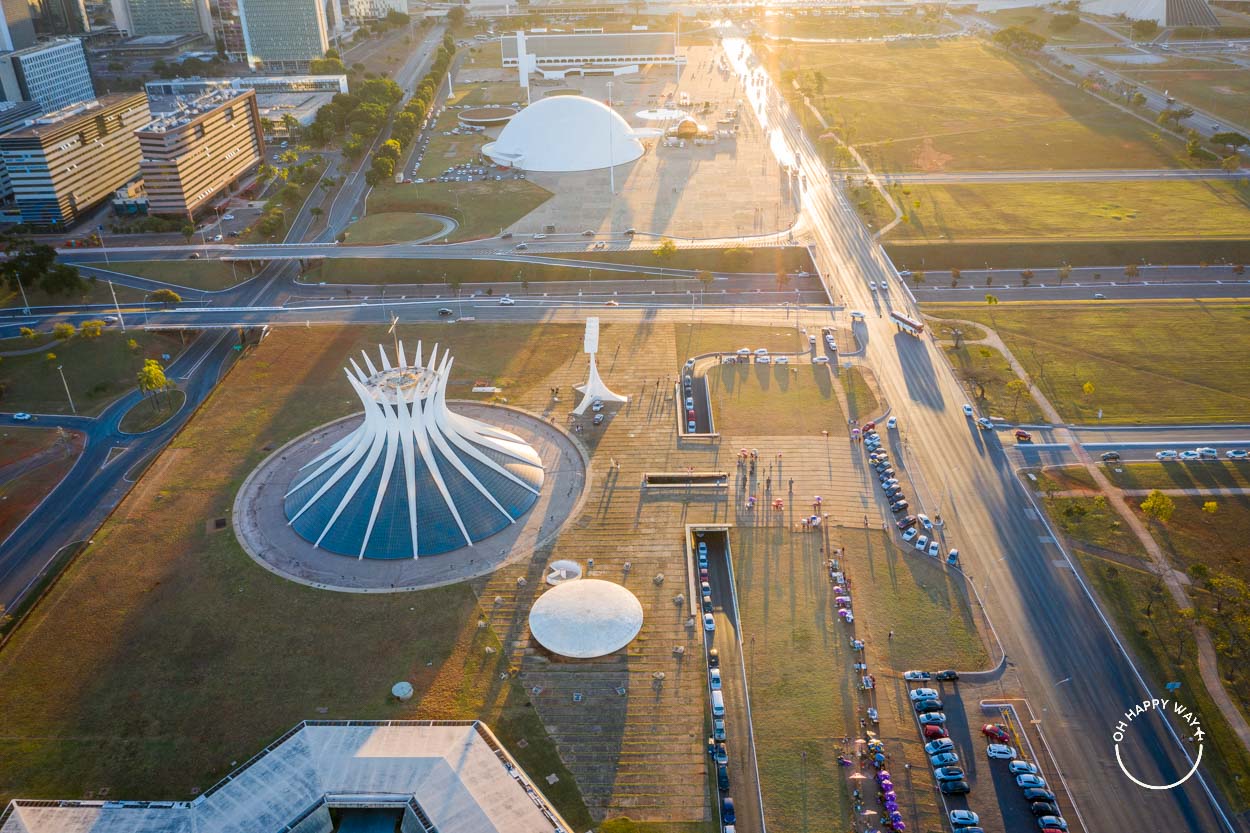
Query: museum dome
(565, 133)
(586, 618)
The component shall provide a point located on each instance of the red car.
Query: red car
(703, 574)
(1023, 436)
(935, 732)
(998, 734)
(690, 413)
(868, 426)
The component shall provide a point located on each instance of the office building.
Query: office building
(163, 17)
(375, 9)
(283, 35)
(54, 75)
(59, 17)
(229, 29)
(262, 84)
(192, 155)
(17, 30)
(65, 163)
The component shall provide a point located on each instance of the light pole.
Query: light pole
(25, 303)
(60, 368)
(120, 318)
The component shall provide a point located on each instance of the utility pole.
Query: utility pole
(60, 368)
(121, 319)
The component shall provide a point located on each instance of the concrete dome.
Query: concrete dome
(585, 619)
(565, 133)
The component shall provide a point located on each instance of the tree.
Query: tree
(1138, 99)
(390, 149)
(704, 277)
(665, 251)
(1088, 388)
(1231, 163)
(92, 329)
(166, 296)
(28, 334)
(456, 15)
(955, 275)
(1019, 39)
(1144, 29)
(152, 380)
(1231, 138)
(1158, 506)
(783, 280)
(1210, 507)
(188, 231)
(1017, 388)
(33, 265)
(1026, 277)
(63, 331)
(991, 300)
(1064, 272)
(1131, 271)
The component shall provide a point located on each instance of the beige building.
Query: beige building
(67, 162)
(191, 156)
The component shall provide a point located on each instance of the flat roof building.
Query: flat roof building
(614, 49)
(17, 29)
(60, 17)
(262, 84)
(67, 162)
(285, 35)
(54, 75)
(163, 17)
(195, 153)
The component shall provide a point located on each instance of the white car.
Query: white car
(916, 676)
(924, 521)
(505, 301)
(856, 315)
(967, 409)
(924, 694)
(892, 422)
(713, 676)
(872, 286)
(985, 423)
(539, 237)
(910, 533)
(22, 416)
(227, 216)
(1189, 455)
(781, 360)
(1166, 455)
(761, 351)
(821, 360)
(1236, 454)
(1000, 751)
(933, 549)
(709, 624)
(763, 360)
(1028, 782)
(217, 238)
(744, 351)
(1018, 767)
(922, 542)
(1207, 453)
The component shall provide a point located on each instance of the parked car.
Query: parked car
(936, 747)
(922, 694)
(934, 549)
(932, 719)
(954, 787)
(1110, 456)
(713, 678)
(1166, 455)
(1236, 454)
(934, 732)
(1206, 452)
(722, 777)
(709, 624)
(943, 759)
(598, 420)
(1043, 808)
(727, 814)
(925, 521)
(985, 423)
(967, 409)
(948, 773)
(901, 506)
(1189, 456)
(1038, 794)
(1000, 751)
(924, 706)
(949, 675)
(1025, 781)
(721, 755)
(922, 542)
(1023, 436)
(916, 676)
(713, 658)
(963, 818)
(910, 520)
(1019, 767)
(1052, 823)
(718, 728)
(996, 733)
(892, 422)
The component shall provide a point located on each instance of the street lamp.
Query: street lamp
(60, 368)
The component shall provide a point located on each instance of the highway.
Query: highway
(1048, 624)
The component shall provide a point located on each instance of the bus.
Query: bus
(908, 325)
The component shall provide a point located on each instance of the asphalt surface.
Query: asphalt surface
(1048, 624)
(966, 177)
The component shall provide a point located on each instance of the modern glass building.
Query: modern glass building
(415, 478)
(163, 17)
(283, 35)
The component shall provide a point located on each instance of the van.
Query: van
(718, 704)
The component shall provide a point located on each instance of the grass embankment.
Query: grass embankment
(1143, 210)
(1200, 474)
(1148, 363)
(391, 227)
(786, 25)
(763, 260)
(32, 462)
(968, 107)
(1163, 642)
(1008, 255)
(152, 411)
(96, 370)
(1089, 520)
(188, 657)
(481, 208)
(701, 339)
(1223, 90)
(770, 399)
(803, 691)
(1043, 22)
(986, 374)
(97, 292)
(861, 402)
(209, 275)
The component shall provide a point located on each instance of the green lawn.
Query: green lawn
(150, 412)
(1214, 539)
(1030, 254)
(1074, 210)
(767, 399)
(803, 692)
(97, 292)
(1219, 89)
(1041, 22)
(23, 487)
(1149, 363)
(986, 374)
(860, 400)
(701, 339)
(97, 371)
(765, 260)
(209, 275)
(1090, 520)
(431, 271)
(961, 105)
(1165, 647)
(1200, 474)
(391, 227)
(788, 25)
(189, 658)
(481, 208)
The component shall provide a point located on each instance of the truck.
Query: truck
(907, 324)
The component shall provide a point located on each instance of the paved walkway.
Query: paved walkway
(1208, 665)
(1169, 492)
(261, 525)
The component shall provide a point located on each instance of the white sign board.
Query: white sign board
(591, 342)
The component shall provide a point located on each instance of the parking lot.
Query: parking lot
(727, 640)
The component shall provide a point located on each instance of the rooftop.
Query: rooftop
(455, 773)
(625, 44)
(68, 115)
(188, 108)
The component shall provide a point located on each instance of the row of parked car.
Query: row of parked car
(1201, 453)
(716, 747)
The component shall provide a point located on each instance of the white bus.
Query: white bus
(906, 324)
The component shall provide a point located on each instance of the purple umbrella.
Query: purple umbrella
(883, 774)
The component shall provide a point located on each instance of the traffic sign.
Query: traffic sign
(1172, 686)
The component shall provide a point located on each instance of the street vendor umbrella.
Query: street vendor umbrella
(883, 775)
(857, 776)
(880, 759)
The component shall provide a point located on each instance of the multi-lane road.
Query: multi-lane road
(1049, 625)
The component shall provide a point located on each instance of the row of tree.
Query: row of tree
(29, 265)
(407, 123)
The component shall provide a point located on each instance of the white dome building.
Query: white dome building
(586, 618)
(565, 133)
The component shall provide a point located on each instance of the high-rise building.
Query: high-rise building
(375, 9)
(54, 75)
(228, 29)
(17, 30)
(283, 35)
(163, 17)
(60, 17)
(192, 155)
(65, 163)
